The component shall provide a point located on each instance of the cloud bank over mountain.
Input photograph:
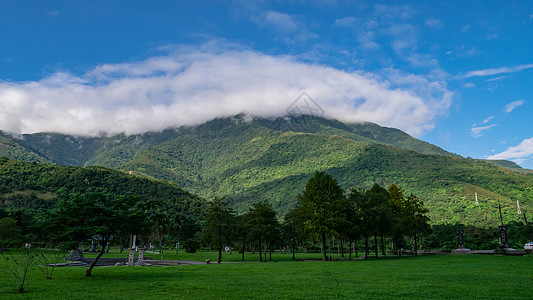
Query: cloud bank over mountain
(191, 85)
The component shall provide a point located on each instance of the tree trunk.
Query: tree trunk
(265, 250)
(367, 250)
(243, 246)
(416, 248)
(270, 252)
(219, 251)
(293, 246)
(324, 256)
(260, 250)
(376, 244)
(383, 250)
(350, 246)
(177, 244)
(399, 248)
(104, 244)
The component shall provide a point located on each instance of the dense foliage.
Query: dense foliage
(29, 189)
(95, 216)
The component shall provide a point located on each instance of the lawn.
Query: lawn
(471, 276)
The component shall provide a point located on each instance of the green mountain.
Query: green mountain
(35, 187)
(10, 147)
(509, 165)
(249, 160)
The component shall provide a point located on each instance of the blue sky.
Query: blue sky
(457, 74)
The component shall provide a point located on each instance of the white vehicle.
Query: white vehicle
(529, 247)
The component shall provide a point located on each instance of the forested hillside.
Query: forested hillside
(12, 148)
(250, 160)
(35, 187)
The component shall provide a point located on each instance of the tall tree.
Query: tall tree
(379, 213)
(262, 224)
(95, 215)
(220, 224)
(319, 206)
(418, 221)
(160, 221)
(410, 216)
(397, 199)
(291, 230)
(353, 223)
(242, 231)
(363, 210)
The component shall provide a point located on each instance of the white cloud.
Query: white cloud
(494, 71)
(511, 106)
(345, 22)
(366, 40)
(487, 120)
(462, 51)
(519, 153)
(434, 24)
(289, 28)
(496, 78)
(469, 85)
(478, 131)
(279, 20)
(394, 12)
(193, 85)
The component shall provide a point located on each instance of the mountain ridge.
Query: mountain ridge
(251, 159)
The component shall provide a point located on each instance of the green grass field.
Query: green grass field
(435, 277)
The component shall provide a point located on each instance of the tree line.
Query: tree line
(324, 211)
(324, 215)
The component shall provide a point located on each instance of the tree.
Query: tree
(416, 219)
(10, 233)
(220, 224)
(379, 213)
(18, 265)
(351, 227)
(290, 230)
(362, 207)
(319, 206)
(397, 201)
(410, 215)
(95, 215)
(160, 225)
(262, 224)
(242, 231)
(186, 227)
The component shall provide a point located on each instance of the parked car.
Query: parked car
(529, 247)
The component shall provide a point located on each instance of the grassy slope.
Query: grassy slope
(437, 277)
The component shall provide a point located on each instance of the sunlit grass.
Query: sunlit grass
(407, 277)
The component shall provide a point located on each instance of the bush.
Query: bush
(190, 246)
